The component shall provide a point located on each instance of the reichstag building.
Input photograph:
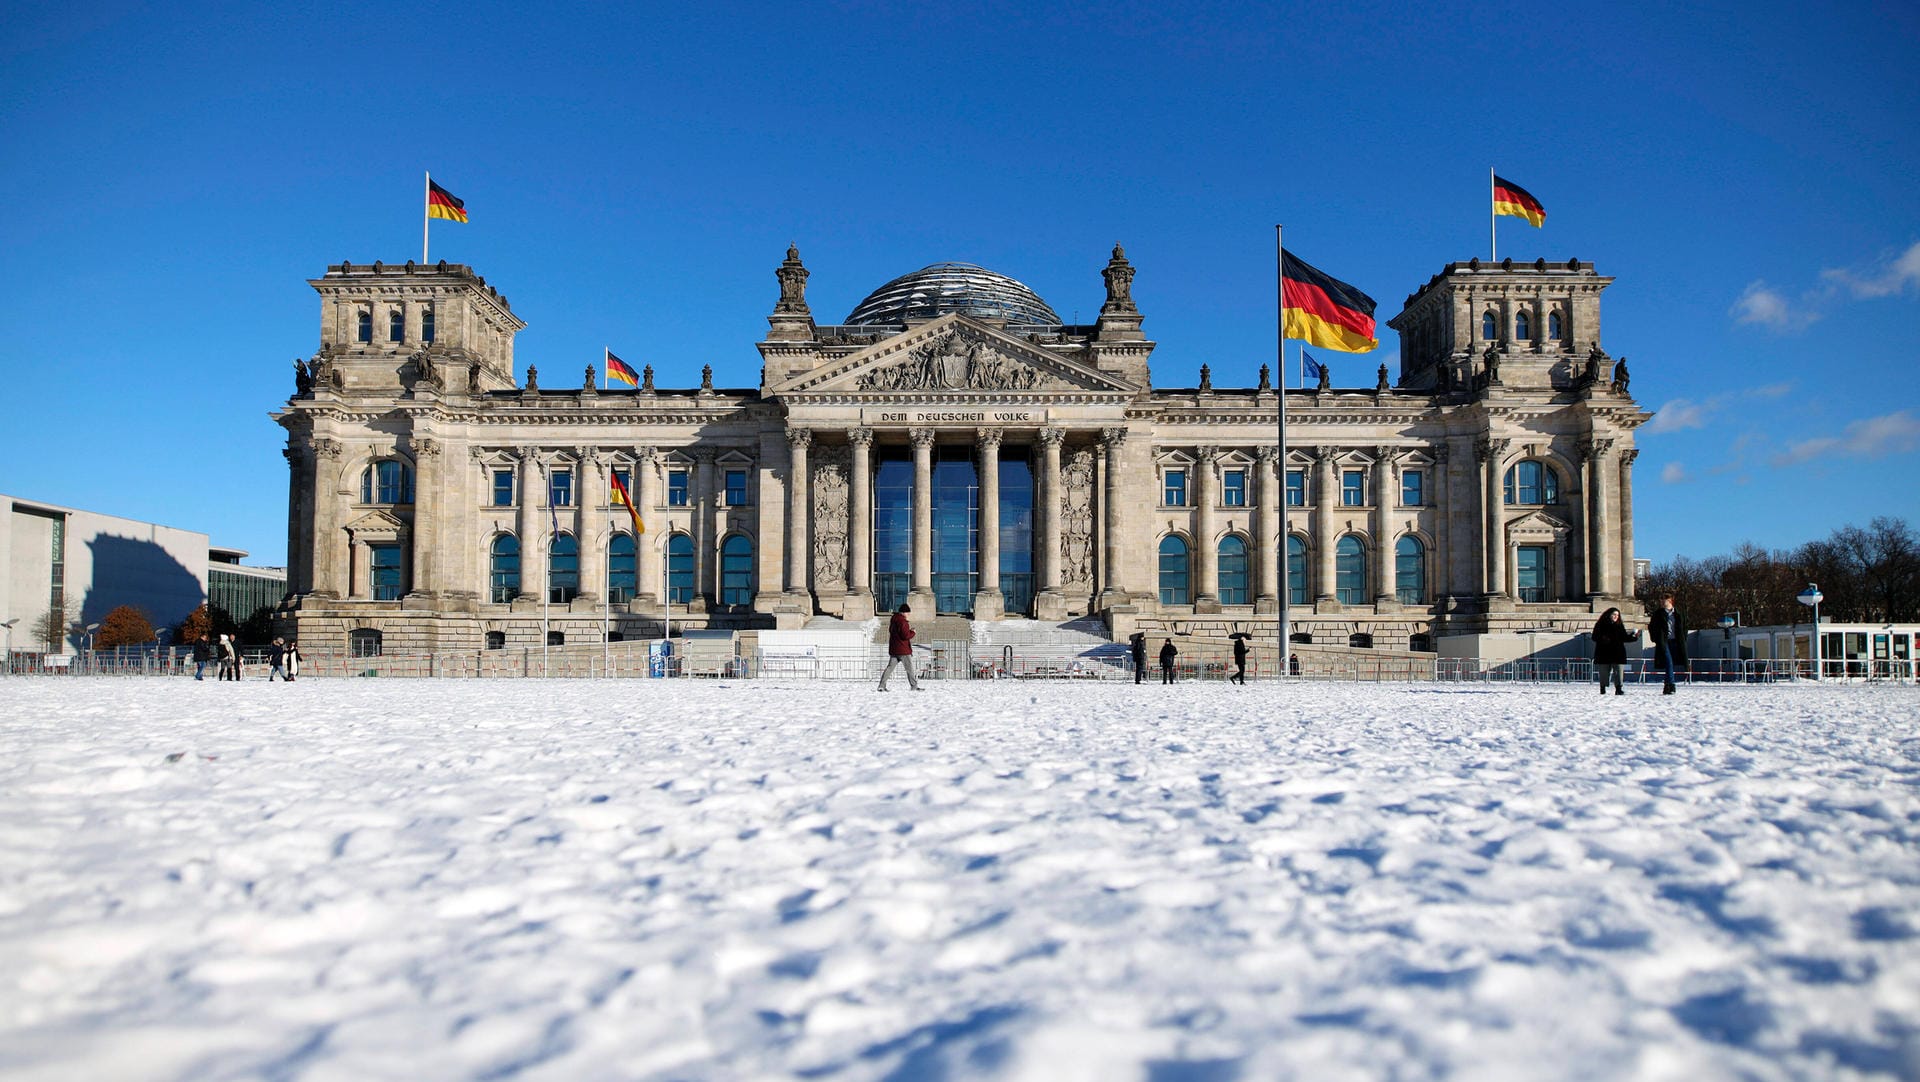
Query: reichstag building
(954, 444)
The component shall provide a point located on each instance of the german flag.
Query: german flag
(1510, 198)
(442, 203)
(619, 372)
(623, 497)
(1323, 310)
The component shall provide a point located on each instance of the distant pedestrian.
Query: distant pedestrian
(1610, 639)
(899, 648)
(276, 659)
(202, 653)
(1668, 633)
(1138, 642)
(1167, 654)
(229, 658)
(293, 661)
(1239, 663)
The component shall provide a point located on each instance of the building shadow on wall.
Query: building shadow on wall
(129, 571)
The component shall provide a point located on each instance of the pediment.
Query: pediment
(376, 524)
(953, 355)
(1537, 525)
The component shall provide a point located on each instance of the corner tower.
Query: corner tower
(1540, 322)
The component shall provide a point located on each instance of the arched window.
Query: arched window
(623, 578)
(1233, 571)
(1173, 572)
(1553, 325)
(1523, 327)
(426, 323)
(396, 325)
(736, 571)
(496, 640)
(1489, 327)
(1296, 570)
(503, 569)
(1532, 482)
(364, 332)
(563, 569)
(386, 481)
(680, 569)
(364, 642)
(1350, 571)
(1410, 571)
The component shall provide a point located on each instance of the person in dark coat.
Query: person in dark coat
(1610, 639)
(202, 653)
(900, 648)
(1139, 649)
(229, 658)
(277, 659)
(1239, 662)
(1668, 634)
(1167, 654)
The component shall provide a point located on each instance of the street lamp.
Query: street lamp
(7, 665)
(1811, 596)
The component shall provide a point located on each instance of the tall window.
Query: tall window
(1174, 491)
(1410, 571)
(623, 577)
(1233, 570)
(364, 642)
(676, 488)
(560, 488)
(1523, 327)
(736, 488)
(386, 481)
(1489, 327)
(1532, 482)
(1296, 488)
(396, 325)
(1296, 570)
(1413, 488)
(503, 488)
(426, 323)
(503, 569)
(1233, 488)
(736, 571)
(1530, 572)
(1350, 571)
(1173, 572)
(364, 333)
(563, 569)
(1553, 325)
(1353, 488)
(680, 569)
(383, 572)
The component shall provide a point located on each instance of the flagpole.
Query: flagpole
(426, 202)
(1493, 233)
(606, 608)
(1280, 461)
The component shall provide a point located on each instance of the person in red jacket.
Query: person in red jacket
(900, 648)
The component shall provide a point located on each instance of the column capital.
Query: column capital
(645, 454)
(1627, 456)
(1490, 450)
(1052, 437)
(527, 454)
(1206, 453)
(1440, 452)
(921, 437)
(1266, 453)
(426, 447)
(1113, 437)
(1387, 455)
(799, 437)
(860, 437)
(703, 455)
(1323, 456)
(987, 438)
(327, 448)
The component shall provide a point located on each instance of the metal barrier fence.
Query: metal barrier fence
(939, 660)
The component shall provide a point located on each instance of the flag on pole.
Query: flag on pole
(618, 371)
(1511, 199)
(1322, 310)
(442, 203)
(1310, 368)
(622, 497)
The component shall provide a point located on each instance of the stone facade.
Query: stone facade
(1487, 489)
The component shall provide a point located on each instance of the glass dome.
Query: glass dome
(952, 287)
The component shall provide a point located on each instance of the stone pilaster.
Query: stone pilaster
(1605, 527)
(1382, 526)
(703, 541)
(798, 442)
(526, 490)
(1048, 602)
(1625, 533)
(648, 556)
(1494, 518)
(920, 589)
(859, 603)
(1326, 496)
(1270, 538)
(1205, 558)
(1115, 591)
(427, 519)
(590, 520)
(330, 494)
(1439, 499)
(988, 601)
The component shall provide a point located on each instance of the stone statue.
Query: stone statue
(1594, 359)
(1206, 379)
(1620, 375)
(1266, 378)
(646, 380)
(1492, 359)
(1119, 276)
(706, 379)
(1326, 377)
(473, 378)
(588, 385)
(533, 378)
(1382, 385)
(302, 377)
(793, 284)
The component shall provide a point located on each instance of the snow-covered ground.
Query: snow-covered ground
(385, 879)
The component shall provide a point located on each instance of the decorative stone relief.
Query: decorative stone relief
(1076, 527)
(831, 468)
(954, 363)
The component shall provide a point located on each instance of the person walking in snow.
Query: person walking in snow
(1668, 633)
(1239, 662)
(202, 653)
(1610, 639)
(276, 659)
(1138, 647)
(293, 661)
(1167, 654)
(229, 658)
(899, 648)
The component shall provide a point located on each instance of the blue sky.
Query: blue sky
(171, 175)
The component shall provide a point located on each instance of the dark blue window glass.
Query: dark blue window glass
(1296, 571)
(563, 569)
(504, 568)
(892, 529)
(680, 569)
(956, 548)
(1016, 534)
(1233, 571)
(622, 570)
(1173, 572)
(736, 571)
(384, 571)
(1350, 571)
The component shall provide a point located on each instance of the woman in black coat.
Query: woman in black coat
(1610, 639)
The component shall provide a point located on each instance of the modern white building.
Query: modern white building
(1846, 649)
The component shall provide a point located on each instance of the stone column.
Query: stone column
(1601, 552)
(1539, 324)
(1382, 526)
(1272, 539)
(920, 588)
(1050, 508)
(329, 541)
(1205, 558)
(1440, 561)
(1584, 528)
(526, 493)
(798, 440)
(427, 486)
(413, 312)
(1627, 582)
(1111, 441)
(1493, 531)
(299, 521)
(588, 519)
(1326, 495)
(988, 601)
(647, 547)
(702, 509)
(860, 518)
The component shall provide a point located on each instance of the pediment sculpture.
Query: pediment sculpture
(953, 362)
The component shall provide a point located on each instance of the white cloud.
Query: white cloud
(1679, 415)
(1893, 275)
(1673, 473)
(1762, 304)
(1771, 390)
(1875, 437)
